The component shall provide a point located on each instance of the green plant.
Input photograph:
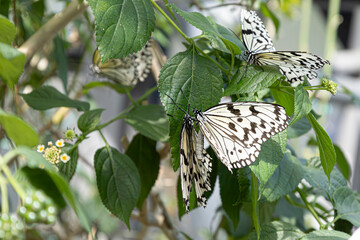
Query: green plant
(279, 186)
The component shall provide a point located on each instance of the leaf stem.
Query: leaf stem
(215, 62)
(310, 208)
(254, 193)
(292, 202)
(4, 196)
(333, 221)
(171, 12)
(171, 22)
(14, 183)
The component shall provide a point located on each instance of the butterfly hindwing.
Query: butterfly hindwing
(236, 130)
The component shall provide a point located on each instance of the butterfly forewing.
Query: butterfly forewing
(294, 65)
(236, 130)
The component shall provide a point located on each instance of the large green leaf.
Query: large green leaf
(299, 128)
(284, 97)
(200, 80)
(326, 235)
(115, 86)
(279, 231)
(251, 79)
(7, 29)
(317, 178)
(46, 97)
(302, 104)
(11, 64)
(150, 120)
(68, 169)
(347, 205)
(326, 148)
(229, 193)
(18, 130)
(118, 182)
(122, 26)
(272, 151)
(284, 180)
(142, 151)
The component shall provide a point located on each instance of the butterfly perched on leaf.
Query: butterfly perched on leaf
(295, 65)
(195, 162)
(126, 71)
(236, 130)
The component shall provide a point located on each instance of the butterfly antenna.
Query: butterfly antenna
(176, 104)
(173, 117)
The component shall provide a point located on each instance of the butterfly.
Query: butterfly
(236, 130)
(126, 71)
(195, 163)
(295, 65)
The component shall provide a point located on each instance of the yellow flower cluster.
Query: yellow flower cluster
(53, 152)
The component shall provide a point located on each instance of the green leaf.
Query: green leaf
(302, 104)
(278, 230)
(252, 79)
(150, 120)
(115, 86)
(61, 61)
(89, 120)
(68, 169)
(11, 64)
(254, 201)
(118, 182)
(7, 29)
(299, 128)
(220, 37)
(272, 151)
(122, 26)
(347, 205)
(229, 193)
(142, 151)
(285, 98)
(4, 7)
(284, 180)
(180, 202)
(200, 80)
(40, 179)
(326, 235)
(317, 178)
(268, 13)
(326, 148)
(18, 130)
(342, 163)
(46, 97)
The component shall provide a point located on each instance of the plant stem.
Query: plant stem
(171, 12)
(4, 196)
(292, 202)
(14, 183)
(310, 208)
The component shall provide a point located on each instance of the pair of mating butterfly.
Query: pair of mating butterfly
(236, 131)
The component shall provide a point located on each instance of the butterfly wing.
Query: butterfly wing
(193, 167)
(236, 130)
(254, 34)
(293, 64)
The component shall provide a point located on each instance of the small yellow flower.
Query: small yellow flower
(60, 143)
(50, 144)
(42, 166)
(40, 148)
(64, 158)
(52, 154)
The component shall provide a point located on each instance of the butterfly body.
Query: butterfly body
(295, 65)
(236, 130)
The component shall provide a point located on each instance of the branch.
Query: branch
(51, 28)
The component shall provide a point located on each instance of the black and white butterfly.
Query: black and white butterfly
(126, 71)
(195, 162)
(236, 130)
(295, 65)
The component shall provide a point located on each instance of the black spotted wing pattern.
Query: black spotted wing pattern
(295, 65)
(236, 130)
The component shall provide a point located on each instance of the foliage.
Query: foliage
(211, 67)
